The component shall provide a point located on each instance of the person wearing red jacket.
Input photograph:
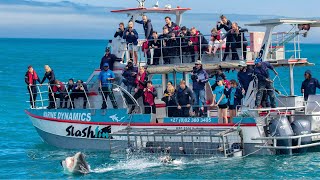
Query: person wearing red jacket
(141, 82)
(197, 40)
(58, 91)
(31, 79)
(149, 94)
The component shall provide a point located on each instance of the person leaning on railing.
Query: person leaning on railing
(79, 90)
(169, 98)
(184, 35)
(106, 77)
(49, 74)
(198, 43)
(131, 36)
(226, 24)
(149, 94)
(147, 26)
(184, 99)
(129, 76)
(172, 27)
(215, 42)
(154, 44)
(164, 37)
(31, 79)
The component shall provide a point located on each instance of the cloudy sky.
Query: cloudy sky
(91, 19)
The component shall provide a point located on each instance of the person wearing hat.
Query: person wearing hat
(220, 100)
(106, 77)
(199, 78)
(129, 76)
(108, 58)
(31, 79)
(309, 85)
(261, 70)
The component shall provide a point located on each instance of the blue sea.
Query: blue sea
(24, 156)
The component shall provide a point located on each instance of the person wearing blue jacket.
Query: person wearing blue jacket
(309, 85)
(106, 77)
(131, 36)
(234, 95)
(220, 100)
(245, 76)
(199, 78)
(261, 70)
(129, 76)
(147, 26)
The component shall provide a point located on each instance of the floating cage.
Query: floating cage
(190, 142)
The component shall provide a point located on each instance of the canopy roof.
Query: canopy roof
(143, 10)
(313, 23)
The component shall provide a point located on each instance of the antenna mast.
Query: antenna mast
(141, 3)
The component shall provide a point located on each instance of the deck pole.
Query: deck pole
(291, 80)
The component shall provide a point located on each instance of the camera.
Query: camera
(194, 77)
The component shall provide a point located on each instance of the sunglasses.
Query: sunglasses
(130, 27)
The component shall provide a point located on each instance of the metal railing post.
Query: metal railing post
(104, 97)
(69, 98)
(50, 94)
(40, 96)
(200, 58)
(161, 50)
(31, 94)
(181, 58)
(242, 46)
(85, 93)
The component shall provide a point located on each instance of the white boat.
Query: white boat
(292, 127)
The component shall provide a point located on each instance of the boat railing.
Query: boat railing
(179, 52)
(119, 93)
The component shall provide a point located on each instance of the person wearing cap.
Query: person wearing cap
(261, 70)
(220, 100)
(80, 89)
(199, 79)
(106, 77)
(129, 76)
(147, 26)
(309, 85)
(31, 79)
(245, 76)
(131, 36)
(108, 58)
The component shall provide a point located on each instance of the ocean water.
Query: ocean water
(23, 155)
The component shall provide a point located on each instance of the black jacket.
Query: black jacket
(309, 86)
(147, 27)
(184, 96)
(110, 59)
(131, 38)
(173, 27)
(130, 75)
(227, 27)
(237, 37)
(50, 76)
(118, 33)
(245, 78)
(26, 79)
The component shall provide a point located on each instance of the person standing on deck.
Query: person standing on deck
(220, 100)
(120, 31)
(147, 26)
(226, 24)
(58, 91)
(108, 58)
(67, 97)
(31, 79)
(49, 74)
(198, 43)
(131, 36)
(264, 82)
(184, 99)
(141, 83)
(154, 44)
(169, 98)
(245, 76)
(234, 96)
(172, 27)
(240, 40)
(199, 78)
(129, 76)
(149, 94)
(309, 85)
(106, 77)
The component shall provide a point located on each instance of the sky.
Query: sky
(91, 19)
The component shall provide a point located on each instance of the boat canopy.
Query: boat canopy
(275, 22)
(142, 10)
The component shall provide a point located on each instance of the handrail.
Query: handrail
(40, 96)
(285, 137)
(71, 104)
(31, 94)
(54, 99)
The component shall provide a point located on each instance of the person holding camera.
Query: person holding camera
(226, 24)
(79, 90)
(264, 81)
(58, 91)
(149, 94)
(106, 77)
(108, 58)
(199, 78)
(120, 30)
(129, 76)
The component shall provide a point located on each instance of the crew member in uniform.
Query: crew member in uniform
(309, 85)
(106, 77)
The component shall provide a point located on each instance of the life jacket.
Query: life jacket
(148, 96)
(32, 77)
